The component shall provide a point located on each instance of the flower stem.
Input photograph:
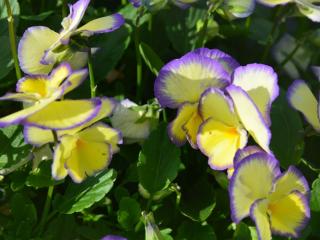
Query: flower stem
(203, 32)
(91, 75)
(12, 37)
(46, 209)
(138, 56)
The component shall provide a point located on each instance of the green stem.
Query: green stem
(91, 75)
(138, 58)
(291, 54)
(123, 2)
(203, 32)
(12, 37)
(64, 8)
(309, 166)
(46, 209)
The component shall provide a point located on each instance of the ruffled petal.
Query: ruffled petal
(88, 158)
(75, 80)
(289, 181)
(240, 9)
(175, 129)
(310, 9)
(184, 80)
(245, 185)
(191, 128)
(301, 98)
(20, 116)
(261, 83)
(289, 215)
(37, 136)
(65, 114)
(101, 132)
(229, 63)
(102, 25)
(61, 154)
(216, 105)
(220, 142)
(32, 46)
(59, 74)
(258, 213)
(250, 117)
(35, 85)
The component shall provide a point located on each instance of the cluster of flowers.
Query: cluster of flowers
(219, 103)
(236, 8)
(84, 144)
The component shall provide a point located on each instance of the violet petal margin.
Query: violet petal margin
(272, 162)
(228, 62)
(95, 101)
(113, 237)
(214, 75)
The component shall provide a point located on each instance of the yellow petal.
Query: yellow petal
(37, 136)
(246, 183)
(258, 213)
(291, 180)
(36, 85)
(302, 99)
(32, 46)
(289, 215)
(216, 105)
(220, 142)
(250, 117)
(88, 158)
(101, 132)
(59, 74)
(176, 133)
(191, 128)
(61, 154)
(65, 114)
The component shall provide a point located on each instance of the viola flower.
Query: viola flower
(180, 84)
(40, 47)
(228, 118)
(40, 93)
(302, 99)
(82, 150)
(113, 237)
(85, 152)
(279, 205)
(135, 122)
(309, 8)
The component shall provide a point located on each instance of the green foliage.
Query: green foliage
(152, 60)
(195, 231)
(79, 197)
(128, 213)
(315, 196)
(159, 161)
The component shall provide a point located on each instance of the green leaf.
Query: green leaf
(6, 61)
(151, 59)
(110, 48)
(159, 161)
(41, 176)
(287, 132)
(81, 196)
(195, 231)
(61, 227)
(198, 200)
(242, 232)
(315, 196)
(15, 8)
(24, 214)
(181, 27)
(129, 212)
(13, 148)
(40, 17)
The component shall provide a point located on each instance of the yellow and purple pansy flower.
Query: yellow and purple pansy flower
(40, 48)
(82, 150)
(302, 99)
(309, 8)
(41, 92)
(280, 205)
(181, 82)
(244, 107)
